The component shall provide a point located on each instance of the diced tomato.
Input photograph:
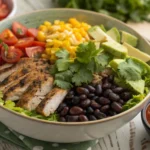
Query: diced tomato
(8, 37)
(0, 2)
(38, 43)
(4, 11)
(34, 52)
(20, 51)
(32, 32)
(24, 42)
(10, 55)
(19, 29)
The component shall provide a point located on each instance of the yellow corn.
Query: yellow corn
(48, 51)
(43, 28)
(41, 36)
(57, 43)
(78, 36)
(47, 23)
(74, 22)
(45, 56)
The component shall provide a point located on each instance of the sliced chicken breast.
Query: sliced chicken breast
(51, 102)
(15, 90)
(23, 63)
(5, 66)
(35, 93)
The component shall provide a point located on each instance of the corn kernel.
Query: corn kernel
(85, 26)
(43, 28)
(44, 56)
(83, 32)
(57, 43)
(48, 51)
(78, 36)
(41, 36)
(56, 22)
(47, 23)
(74, 22)
(66, 44)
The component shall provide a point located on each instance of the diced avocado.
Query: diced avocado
(103, 28)
(137, 86)
(115, 62)
(98, 34)
(97, 44)
(129, 38)
(115, 49)
(114, 34)
(132, 51)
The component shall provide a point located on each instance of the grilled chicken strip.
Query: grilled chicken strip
(51, 102)
(5, 66)
(16, 89)
(19, 74)
(35, 93)
(23, 63)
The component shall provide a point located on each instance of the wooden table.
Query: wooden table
(132, 136)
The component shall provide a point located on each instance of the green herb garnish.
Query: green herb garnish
(19, 31)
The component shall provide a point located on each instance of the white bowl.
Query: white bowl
(12, 7)
(79, 131)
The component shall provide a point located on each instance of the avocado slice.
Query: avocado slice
(135, 86)
(98, 34)
(132, 51)
(129, 38)
(115, 63)
(114, 34)
(115, 49)
(103, 28)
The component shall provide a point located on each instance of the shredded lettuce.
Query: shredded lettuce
(11, 105)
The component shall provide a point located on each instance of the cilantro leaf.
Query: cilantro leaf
(62, 54)
(128, 71)
(82, 76)
(62, 64)
(74, 67)
(53, 70)
(63, 84)
(85, 52)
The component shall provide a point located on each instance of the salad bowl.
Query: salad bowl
(67, 132)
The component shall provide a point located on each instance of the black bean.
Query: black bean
(75, 110)
(91, 88)
(83, 96)
(71, 92)
(111, 112)
(110, 78)
(126, 96)
(92, 118)
(83, 118)
(118, 90)
(98, 89)
(106, 85)
(113, 86)
(95, 105)
(114, 97)
(75, 100)
(95, 98)
(82, 90)
(69, 97)
(99, 115)
(91, 95)
(85, 103)
(61, 106)
(103, 101)
(72, 118)
(121, 102)
(64, 111)
(116, 107)
(62, 119)
(107, 92)
(105, 108)
(89, 110)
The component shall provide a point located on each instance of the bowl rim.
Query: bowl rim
(76, 123)
(14, 9)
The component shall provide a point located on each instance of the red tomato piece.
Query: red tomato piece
(38, 43)
(10, 55)
(34, 52)
(24, 42)
(19, 29)
(8, 37)
(20, 51)
(32, 32)
(0, 2)
(4, 11)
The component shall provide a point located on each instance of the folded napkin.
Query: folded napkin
(27, 143)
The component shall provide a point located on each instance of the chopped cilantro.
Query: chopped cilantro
(19, 31)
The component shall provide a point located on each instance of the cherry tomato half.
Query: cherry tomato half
(32, 32)
(24, 42)
(10, 55)
(4, 11)
(38, 43)
(19, 29)
(34, 52)
(8, 37)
